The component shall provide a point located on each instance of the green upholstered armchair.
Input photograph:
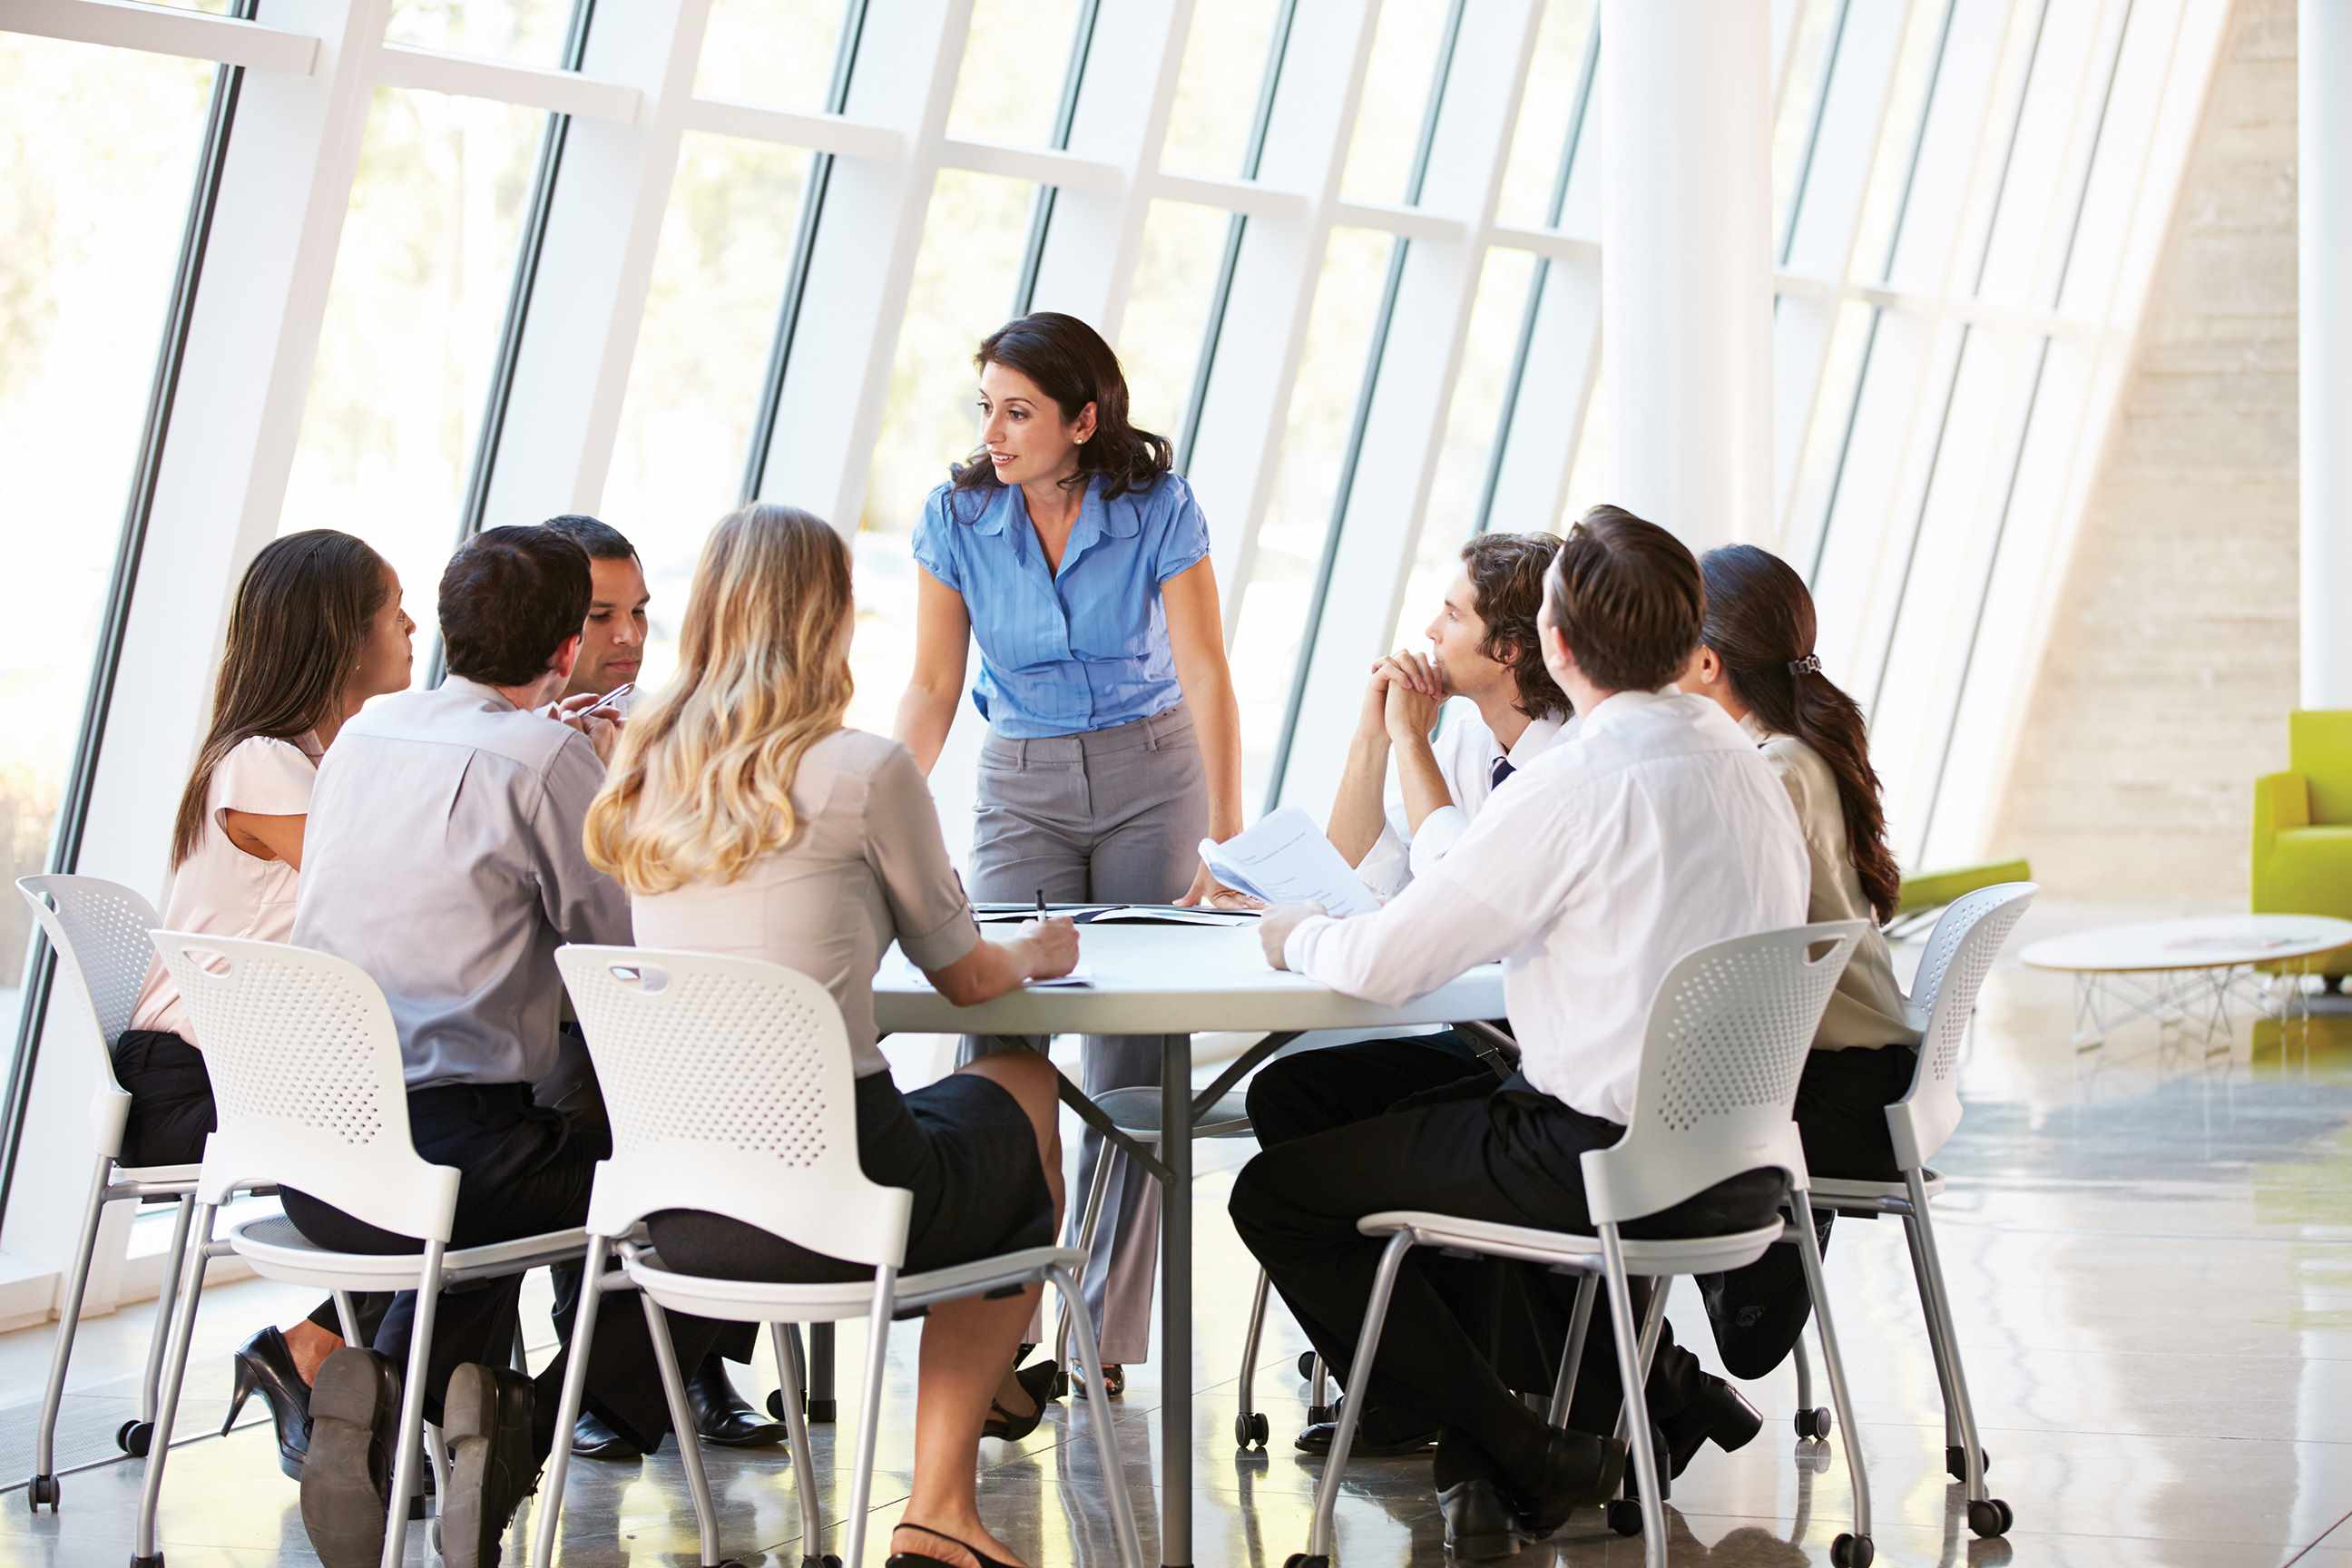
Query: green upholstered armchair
(2303, 827)
(1925, 893)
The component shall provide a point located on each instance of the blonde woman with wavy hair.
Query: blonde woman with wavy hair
(744, 817)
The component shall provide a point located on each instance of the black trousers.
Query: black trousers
(1472, 1147)
(172, 1115)
(526, 1169)
(1758, 1313)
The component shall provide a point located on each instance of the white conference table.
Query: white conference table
(1176, 982)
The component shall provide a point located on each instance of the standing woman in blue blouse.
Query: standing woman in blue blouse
(1080, 563)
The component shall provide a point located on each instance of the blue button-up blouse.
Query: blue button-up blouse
(1081, 649)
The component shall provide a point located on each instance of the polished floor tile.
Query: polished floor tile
(2150, 1244)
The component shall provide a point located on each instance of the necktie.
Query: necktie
(1502, 770)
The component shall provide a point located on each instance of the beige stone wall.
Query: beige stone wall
(2171, 663)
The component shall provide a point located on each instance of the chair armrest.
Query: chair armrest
(2281, 801)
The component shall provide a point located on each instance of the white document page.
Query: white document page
(1286, 859)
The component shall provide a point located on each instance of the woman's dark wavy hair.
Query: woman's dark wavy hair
(1759, 622)
(295, 636)
(1071, 364)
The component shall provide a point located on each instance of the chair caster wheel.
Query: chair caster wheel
(830, 1560)
(1300, 1559)
(1250, 1431)
(1625, 1516)
(1991, 1518)
(134, 1437)
(1851, 1552)
(1956, 1462)
(42, 1490)
(1306, 1366)
(1814, 1425)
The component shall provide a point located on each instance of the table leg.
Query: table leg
(1176, 1304)
(820, 1404)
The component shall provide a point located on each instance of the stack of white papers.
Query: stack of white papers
(1286, 859)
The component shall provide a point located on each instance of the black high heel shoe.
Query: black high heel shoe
(923, 1560)
(264, 1364)
(1037, 1382)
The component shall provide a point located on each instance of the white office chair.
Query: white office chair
(307, 1084)
(729, 1086)
(1959, 954)
(99, 930)
(1727, 1035)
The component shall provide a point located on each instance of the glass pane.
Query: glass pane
(964, 271)
(1217, 87)
(2036, 199)
(1907, 99)
(1298, 515)
(2121, 165)
(412, 330)
(529, 32)
(1397, 81)
(1591, 476)
(702, 352)
(1878, 494)
(774, 53)
(1833, 409)
(92, 207)
(1168, 310)
(1546, 112)
(1948, 570)
(1984, 59)
(1010, 83)
(1793, 125)
(1469, 443)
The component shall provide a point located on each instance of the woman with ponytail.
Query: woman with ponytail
(1755, 660)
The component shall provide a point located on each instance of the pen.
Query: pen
(1040, 905)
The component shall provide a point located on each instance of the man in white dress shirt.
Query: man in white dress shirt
(1506, 711)
(1660, 830)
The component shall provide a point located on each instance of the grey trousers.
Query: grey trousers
(1112, 817)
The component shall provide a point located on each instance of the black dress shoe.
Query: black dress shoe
(486, 1421)
(1384, 1433)
(264, 1366)
(347, 1478)
(723, 1416)
(1576, 1470)
(1719, 1413)
(1478, 1523)
(591, 1439)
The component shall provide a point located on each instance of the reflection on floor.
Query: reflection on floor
(2148, 1246)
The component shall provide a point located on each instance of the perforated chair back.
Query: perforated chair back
(99, 931)
(307, 1086)
(1959, 954)
(729, 1087)
(1728, 1031)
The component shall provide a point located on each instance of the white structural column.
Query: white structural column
(1686, 263)
(2324, 213)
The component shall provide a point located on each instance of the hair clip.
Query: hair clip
(1809, 665)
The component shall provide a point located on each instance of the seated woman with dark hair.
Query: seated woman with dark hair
(1755, 660)
(317, 629)
(744, 817)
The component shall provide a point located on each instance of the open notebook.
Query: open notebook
(1114, 914)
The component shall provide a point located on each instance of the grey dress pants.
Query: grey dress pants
(1114, 815)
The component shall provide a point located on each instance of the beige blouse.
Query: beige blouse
(1868, 1009)
(867, 868)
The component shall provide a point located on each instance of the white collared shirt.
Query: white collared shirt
(1660, 830)
(1467, 751)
